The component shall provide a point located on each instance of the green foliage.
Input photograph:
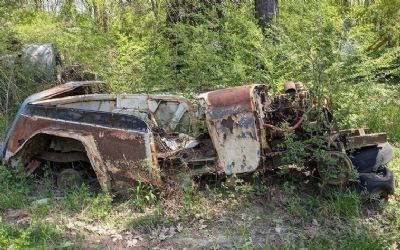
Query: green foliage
(146, 222)
(143, 195)
(101, 205)
(337, 49)
(363, 239)
(345, 204)
(250, 189)
(385, 117)
(3, 126)
(15, 190)
(313, 148)
(191, 200)
(39, 235)
(76, 199)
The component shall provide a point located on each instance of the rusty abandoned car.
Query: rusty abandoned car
(119, 139)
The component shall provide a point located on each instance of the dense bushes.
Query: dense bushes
(347, 51)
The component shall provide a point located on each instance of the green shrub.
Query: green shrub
(386, 118)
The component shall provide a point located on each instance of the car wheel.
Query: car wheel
(338, 171)
(381, 183)
(69, 178)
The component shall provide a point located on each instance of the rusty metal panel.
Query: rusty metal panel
(60, 90)
(361, 137)
(171, 112)
(359, 141)
(106, 119)
(70, 88)
(76, 99)
(103, 106)
(118, 156)
(239, 96)
(138, 102)
(63, 157)
(234, 125)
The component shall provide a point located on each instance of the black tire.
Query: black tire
(369, 159)
(381, 183)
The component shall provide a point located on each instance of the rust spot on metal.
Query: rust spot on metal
(234, 126)
(62, 157)
(228, 123)
(119, 151)
(230, 97)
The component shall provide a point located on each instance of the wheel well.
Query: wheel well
(56, 152)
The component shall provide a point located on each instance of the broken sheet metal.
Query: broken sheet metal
(183, 141)
(363, 137)
(169, 112)
(235, 125)
(70, 88)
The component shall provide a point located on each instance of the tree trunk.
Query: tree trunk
(266, 11)
(154, 7)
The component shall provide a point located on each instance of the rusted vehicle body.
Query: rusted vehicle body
(72, 122)
(120, 139)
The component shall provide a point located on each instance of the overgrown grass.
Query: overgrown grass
(143, 196)
(15, 190)
(76, 199)
(38, 235)
(345, 204)
(146, 222)
(38, 199)
(363, 238)
(357, 238)
(341, 217)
